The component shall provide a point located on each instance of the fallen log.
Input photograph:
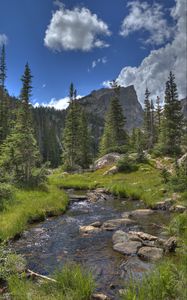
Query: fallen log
(34, 274)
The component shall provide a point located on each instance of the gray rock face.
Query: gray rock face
(98, 102)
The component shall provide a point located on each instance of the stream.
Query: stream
(47, 246)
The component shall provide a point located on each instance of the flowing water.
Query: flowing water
(49, 245)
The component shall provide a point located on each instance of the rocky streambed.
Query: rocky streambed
(112, 237)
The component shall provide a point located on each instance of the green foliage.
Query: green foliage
(127, 164)
(31, 206)
(10, 263)
(178, 225)
(165, 175)
(149, 121)
(6, 194)
(76, 139)
(165, 282)
(114, 134)
(19, 152)
(171, 127)
(73, 283)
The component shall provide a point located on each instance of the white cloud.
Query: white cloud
(154, 69)
(107, 84)
(44, 85)
(102, 60)
(148, 18)
(76, 29)
(3, 39)
(57, 104)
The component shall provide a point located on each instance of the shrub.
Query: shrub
(127, 165)
(6, 194)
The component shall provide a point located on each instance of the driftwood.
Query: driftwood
(34, 274)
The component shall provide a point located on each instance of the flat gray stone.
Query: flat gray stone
(150, 253)
(116, 223)
(127, 248)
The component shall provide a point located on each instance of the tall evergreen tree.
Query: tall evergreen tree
(147, 120)
(172, 119)
(84, 153)
(70, 134)
(4, 103)
(114, 135)
(19, 152)
(3, 68)
(158, 116)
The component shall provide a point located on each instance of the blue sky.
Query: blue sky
(87, 44)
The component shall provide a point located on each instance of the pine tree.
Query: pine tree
(70, 134)
(19, 152)
(158, 116)
(172, 119)
(4, 103)
(147, 120)
(114, 135)
(3, 68)
(84, 153)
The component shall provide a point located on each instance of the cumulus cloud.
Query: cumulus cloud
(149, 18)
(154, 69)
(3, 39)
(57, 104)
(76, 29)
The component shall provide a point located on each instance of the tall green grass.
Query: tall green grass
(145, 184)
(72, 283)
(30, 206)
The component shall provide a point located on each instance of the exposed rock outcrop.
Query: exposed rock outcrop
(107, 160)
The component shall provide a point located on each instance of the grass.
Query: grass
(31, 206)
(72, 283)
(145, 183)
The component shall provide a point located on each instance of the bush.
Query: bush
(6, 194)
(127, 165)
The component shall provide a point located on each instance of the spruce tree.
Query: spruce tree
(70, 134)
(3, 68)
(4, 103)
(76, 137)
(172, 119)
(84, 153)
(158, 116)
(147, 120)
(19, 152)
(114, 135)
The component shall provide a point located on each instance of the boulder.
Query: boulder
(89, 229)
(163, 205)
(177, 208)
(111, 171)
(150, 253)
(107, 160)
(100, 296)
(120, 236)
(127, 248)
(144, 236)
(116, 223)
(171, 244)
(96, 224)
(99, 194)
(139, 213)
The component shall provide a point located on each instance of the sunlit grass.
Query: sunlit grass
(30, 206)
(72, 283)
(145, 184)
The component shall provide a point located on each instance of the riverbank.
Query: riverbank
(29, 206)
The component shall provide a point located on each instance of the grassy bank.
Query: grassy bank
(29, 206)
(146, 183)
(72, 283)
